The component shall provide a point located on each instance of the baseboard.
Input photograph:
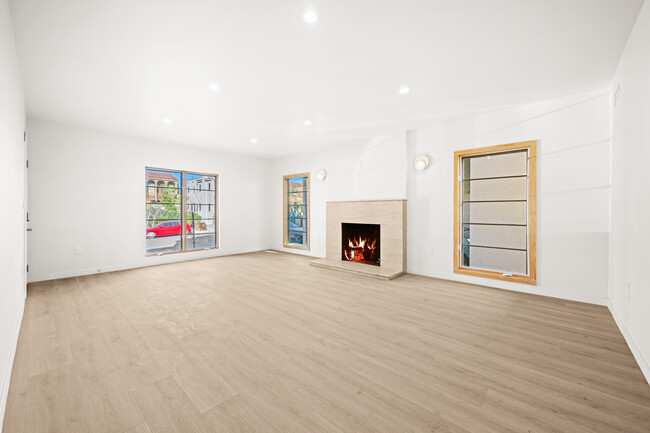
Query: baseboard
(159, 260)
(6, 378)
(523, 288)
(644, 365)
(299, 252)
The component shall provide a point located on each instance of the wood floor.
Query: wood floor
(265, 343)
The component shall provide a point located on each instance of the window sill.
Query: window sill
(523, 279)
(296, 246)
(180, 252)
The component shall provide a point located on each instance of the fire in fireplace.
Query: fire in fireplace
(360, 243)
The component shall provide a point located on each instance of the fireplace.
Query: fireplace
(360, 243)
(378, 220)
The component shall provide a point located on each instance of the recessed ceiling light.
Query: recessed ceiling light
(167, 120)
(310, 17)
(404, 90)
(307, 122)
(213, 87)
(253, 140)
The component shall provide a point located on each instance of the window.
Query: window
(151, 191)
(494, 212)
(296, 211)
(201, 212)
(167, 194)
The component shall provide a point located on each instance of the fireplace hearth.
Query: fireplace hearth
(360, 243)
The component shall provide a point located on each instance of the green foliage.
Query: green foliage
(296, 210)
(197, 217)
(168, 208)
(296, 200)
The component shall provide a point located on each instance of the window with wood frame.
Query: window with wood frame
(495, 212)
(295, 192)
(175, 200)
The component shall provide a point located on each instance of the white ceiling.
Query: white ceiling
(124, 65)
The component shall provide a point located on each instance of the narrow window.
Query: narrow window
(296, 211)
(495, 212)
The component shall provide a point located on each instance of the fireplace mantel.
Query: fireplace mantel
(389, 214)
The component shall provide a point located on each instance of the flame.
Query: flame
(363, 243)
(357, 247)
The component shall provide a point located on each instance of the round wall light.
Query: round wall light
(404, 90)
(421, 162)
(322, 174)
(310, 17)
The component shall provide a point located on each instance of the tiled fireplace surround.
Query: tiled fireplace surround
(389, 214)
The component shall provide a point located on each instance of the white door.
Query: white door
(26, 217)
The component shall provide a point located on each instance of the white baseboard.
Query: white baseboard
(644, 365)
(151, 261)
(523, 288)
(6, 377)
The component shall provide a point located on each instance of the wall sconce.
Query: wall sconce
(421, 162)
(321, 175)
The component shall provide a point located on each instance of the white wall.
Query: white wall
(573, 189)
(630, 236)
(573, 146)
(12, 179)
(86, 189)
(362, 170)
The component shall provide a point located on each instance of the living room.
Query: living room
(406, 216)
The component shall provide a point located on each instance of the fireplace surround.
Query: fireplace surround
(385, 220)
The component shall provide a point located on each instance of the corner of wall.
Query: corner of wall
(628, 301)
(644, 364)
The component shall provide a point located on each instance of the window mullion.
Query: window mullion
(184, 212)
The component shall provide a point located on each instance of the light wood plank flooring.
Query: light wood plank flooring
(266, 343)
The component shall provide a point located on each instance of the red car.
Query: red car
(168, 228)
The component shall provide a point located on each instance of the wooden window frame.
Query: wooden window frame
(285, 213)
(531, 147)
(184, 210)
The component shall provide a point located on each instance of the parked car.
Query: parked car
(167, 228)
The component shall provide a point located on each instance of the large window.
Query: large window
(494, 212)
(181, 211)
(296, 211)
